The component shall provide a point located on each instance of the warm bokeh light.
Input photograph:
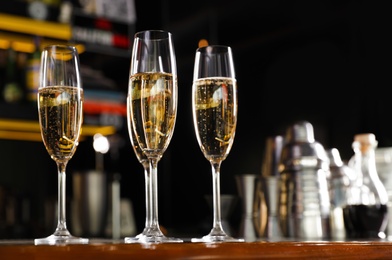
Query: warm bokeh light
(203, 43)
(101, 143)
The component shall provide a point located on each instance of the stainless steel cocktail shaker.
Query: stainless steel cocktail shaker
(304, 202)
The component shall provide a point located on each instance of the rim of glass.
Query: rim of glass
(154, 34)
(208, 48)
(60, 47)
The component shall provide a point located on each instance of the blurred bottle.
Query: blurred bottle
(32, 71)
(339, 185)
(66, 8)
(267, 224)
(366, 214)
(12, 91)
(384, 170)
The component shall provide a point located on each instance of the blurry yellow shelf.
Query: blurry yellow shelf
(28, 130)
(27, 25)
(19, 31)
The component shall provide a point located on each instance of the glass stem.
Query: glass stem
(146, 167)
(61, 229)
(217, 219)
(152, 225)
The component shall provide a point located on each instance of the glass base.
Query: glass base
(217, 235)
(60, 240)
(145, 239)
(216, 239)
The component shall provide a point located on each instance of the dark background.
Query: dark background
(327, 62)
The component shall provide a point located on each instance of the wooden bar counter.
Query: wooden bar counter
(107, 249)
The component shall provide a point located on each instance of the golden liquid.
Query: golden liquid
(136, 147)
(152, 109)
(60, 117)
(215, 116)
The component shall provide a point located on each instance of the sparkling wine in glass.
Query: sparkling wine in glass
(60, 111)
(152, 111)
(214, 108)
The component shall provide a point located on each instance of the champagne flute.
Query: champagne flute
(60, 110)
(214, 107)
(152, 111)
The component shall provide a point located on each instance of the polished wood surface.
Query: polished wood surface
(248, 250)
